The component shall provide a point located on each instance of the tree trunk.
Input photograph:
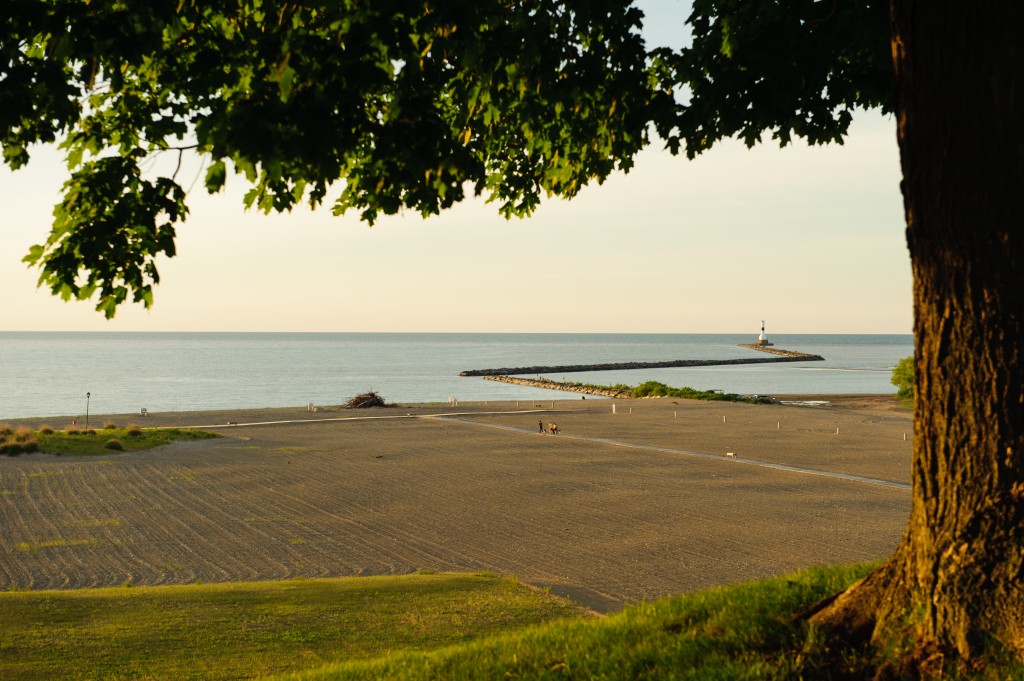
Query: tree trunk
(955, 582)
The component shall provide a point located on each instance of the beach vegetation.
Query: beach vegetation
(45, 430)
(85, 442)
(15, 441)
(10, 448)
(109, 425)
(657, 389)
(612, 388)
(133, 430)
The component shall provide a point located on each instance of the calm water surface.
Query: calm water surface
(49, 374)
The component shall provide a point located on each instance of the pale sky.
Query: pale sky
(809, 239)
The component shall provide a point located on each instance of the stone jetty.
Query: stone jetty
(780, 352)
(556, 385)
(779, 356)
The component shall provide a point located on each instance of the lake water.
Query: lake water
(49, 374)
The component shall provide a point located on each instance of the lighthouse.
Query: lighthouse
(762, 339)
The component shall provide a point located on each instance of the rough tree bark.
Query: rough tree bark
(955, 581)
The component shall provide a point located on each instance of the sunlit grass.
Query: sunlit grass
(246, 630)
(740, 632)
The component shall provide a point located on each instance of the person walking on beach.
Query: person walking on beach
(540, 424)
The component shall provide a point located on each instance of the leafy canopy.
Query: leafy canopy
(794, 68)
(379, 106)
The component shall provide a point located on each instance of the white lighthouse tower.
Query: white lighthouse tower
(762, 339)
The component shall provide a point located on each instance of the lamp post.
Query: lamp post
(87, 396)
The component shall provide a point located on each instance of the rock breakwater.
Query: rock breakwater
(781, 353)
(781, 356)
(556, 385)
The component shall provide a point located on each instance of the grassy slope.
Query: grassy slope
(741, 632)
(730, 633)
(244, 630)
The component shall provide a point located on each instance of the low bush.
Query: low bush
(114, 444)
(618, 387)
(22, 434)
(45, 430)
(657, 389)
(133, 430)
(72, 430)
(109, 425)
(6, 431)
(14, 448)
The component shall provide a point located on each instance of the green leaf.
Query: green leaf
(34, 254)
(285, 82)
(216, 176)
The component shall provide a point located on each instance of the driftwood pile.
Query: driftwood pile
(365, 401)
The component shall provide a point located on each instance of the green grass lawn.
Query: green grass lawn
(247, 630)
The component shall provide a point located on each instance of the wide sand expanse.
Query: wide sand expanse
(619, 507)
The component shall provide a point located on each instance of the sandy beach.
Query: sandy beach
(660, 497)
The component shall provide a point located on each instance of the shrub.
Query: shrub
(6, 431)
(903, 378)
(132, 430)
(10, 448)
(114, 444)
(90, 431)
(45, 430)
(109, 425)
(656, 389)
(22, 434)
(72, 430)
(29, 446)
